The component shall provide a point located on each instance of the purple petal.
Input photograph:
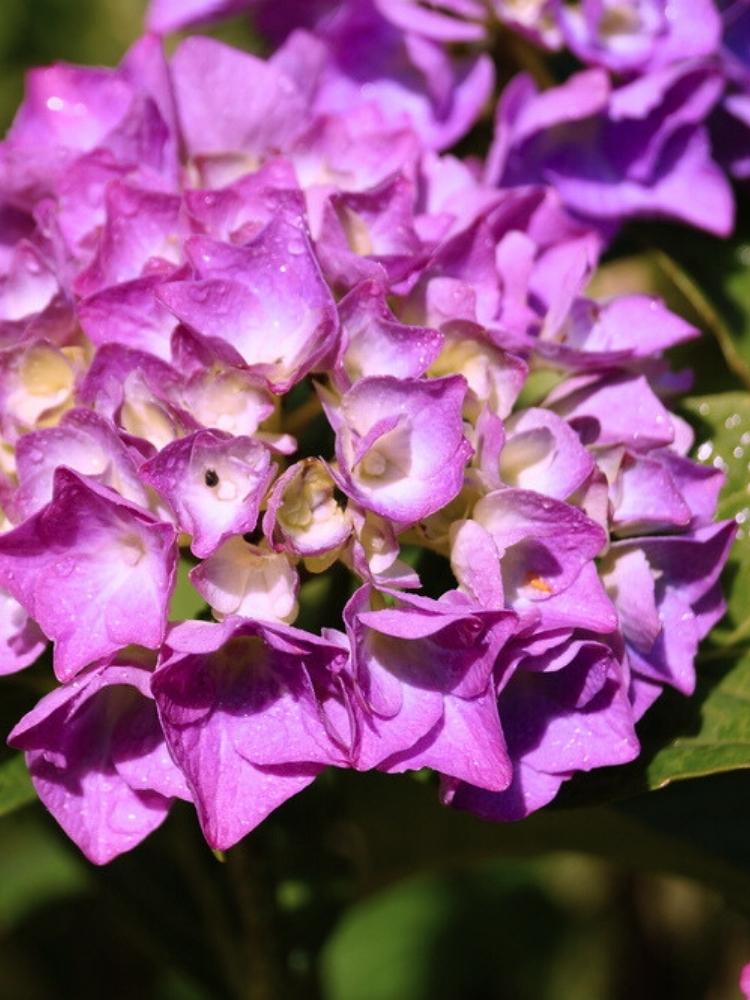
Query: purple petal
(93, 570)
(417, 466)
(21, 639)
(229, 708)
(214, 483)
(208, 76)
(267, 300)
(98, 761)
(543, 543)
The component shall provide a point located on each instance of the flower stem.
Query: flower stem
(263, 973)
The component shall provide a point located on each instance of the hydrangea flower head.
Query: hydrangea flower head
(255, 323)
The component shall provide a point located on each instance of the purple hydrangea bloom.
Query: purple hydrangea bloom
(542, 543)
(84, 442)
(192, 283)
(246, 580)
(31, 298)
(213, 482)
(364, 51)
(374, 342)
(540, 452)
(731, 122)
(265, 301)
(303, 515)
(664, 589)
(405, 72)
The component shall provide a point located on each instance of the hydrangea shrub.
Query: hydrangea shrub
(256, 321)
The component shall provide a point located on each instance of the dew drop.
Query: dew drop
(64, 567)
(199, 294)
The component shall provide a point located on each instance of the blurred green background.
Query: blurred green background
(363, 888)
(34, 32)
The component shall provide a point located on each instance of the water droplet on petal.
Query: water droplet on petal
(199, 294)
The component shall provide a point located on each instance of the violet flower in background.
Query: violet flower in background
(615, 153)
(633, 38)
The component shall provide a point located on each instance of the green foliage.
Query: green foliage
(508, 932)
(714, 725)
(186, 601)
(723, 422)
(35, 868)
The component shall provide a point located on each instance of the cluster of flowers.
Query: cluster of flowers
(197, 254)
(628, 135)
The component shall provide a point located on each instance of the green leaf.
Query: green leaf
(713, 726)
(16, 789)
(722, 422)
(722, 425)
